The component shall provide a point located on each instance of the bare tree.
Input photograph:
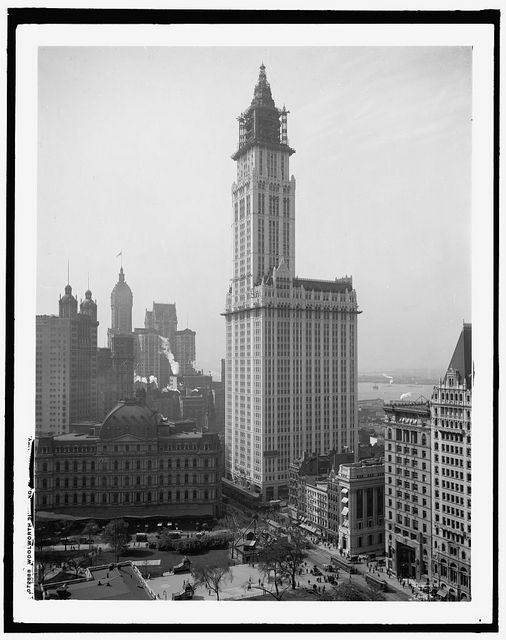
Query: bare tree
(116, 534)
(211, 577)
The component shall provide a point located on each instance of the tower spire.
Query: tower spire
(68, 271)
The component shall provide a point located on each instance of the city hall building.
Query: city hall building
(134, 464)
(291, 343)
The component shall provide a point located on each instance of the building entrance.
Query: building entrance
(406, 561)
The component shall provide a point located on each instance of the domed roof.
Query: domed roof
(129, 417)
(68, 294)
(88, 302)
(121, 288)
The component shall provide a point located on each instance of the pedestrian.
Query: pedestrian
(323, 588)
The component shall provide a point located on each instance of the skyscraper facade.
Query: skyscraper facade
(184, 351)
(66, 365)
(451, 474)
(121, 308)
(408, 489)
(162, 319)
(291, 343)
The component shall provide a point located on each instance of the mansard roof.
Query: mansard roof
(462, 361)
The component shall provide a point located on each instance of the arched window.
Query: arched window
(178, 479)
(169, 479)
(194, 494)
(57, 483)
(424, 440)
(177, 496)
(127, 465)
(127, 497)
(138, 480)
(194, 478)
(115, 465)
(206, 495)
(57, 466)
(57, 498)
(127, 481)
(160, 496)
(169, 496)
(206, 463)
(186, 495)
(160, 480)
(186, 478)
(169, 463)
(194, 463)
(160, 464)
(75, 498)
(104, 481)
(66, 498)
(137, 497)
(66, 466)
(149, 481)
(92, 498)
(149, 465)
(186, 463)
(138, 464)
(104, 497)
(149, 496)
(92, 465)
(206, 479)
(44, 467)
(115, 497)
(390, 434)
(92, 481)
(115, 481)
(178, 463)
(84, 466)
(83, 498)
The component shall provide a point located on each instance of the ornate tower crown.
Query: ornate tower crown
(262, 123)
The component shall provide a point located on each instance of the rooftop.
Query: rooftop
(121, 582)
(341, 285)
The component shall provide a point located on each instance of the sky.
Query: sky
(134, 156)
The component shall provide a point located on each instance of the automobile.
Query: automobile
(152, 545)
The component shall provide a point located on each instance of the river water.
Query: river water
(388, 392)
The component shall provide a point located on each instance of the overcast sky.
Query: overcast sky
(134, 156)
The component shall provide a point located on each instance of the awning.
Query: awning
(344, 500)
(344, 512)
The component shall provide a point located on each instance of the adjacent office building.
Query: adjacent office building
(291, 343)
(356, 507)
(451, 474)
(408, 489)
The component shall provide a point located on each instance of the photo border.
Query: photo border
(18, 17)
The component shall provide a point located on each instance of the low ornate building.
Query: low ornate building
(134, 464)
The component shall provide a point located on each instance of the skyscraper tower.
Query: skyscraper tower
(121, 308)
(66, 365)
(451, 473)
(291, 343)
